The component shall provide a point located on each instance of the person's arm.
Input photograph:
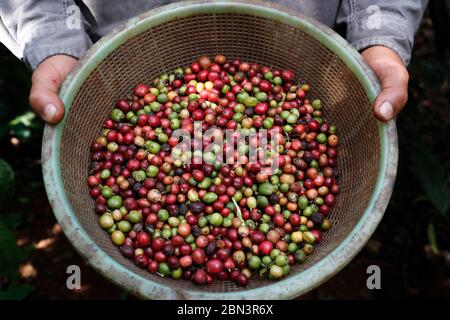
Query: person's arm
(49, 36)
(383, 31)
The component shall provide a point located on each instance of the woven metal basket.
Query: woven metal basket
(175, 35)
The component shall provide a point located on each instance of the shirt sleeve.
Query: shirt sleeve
(37, 29)
(382, 22)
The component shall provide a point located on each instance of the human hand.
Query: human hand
(393, 76)
(45, 83)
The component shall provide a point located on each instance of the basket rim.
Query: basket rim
(290, 287)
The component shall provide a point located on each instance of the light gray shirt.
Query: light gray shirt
(35, 30)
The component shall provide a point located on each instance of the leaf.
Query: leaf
(3, 128)
(6, 180)
(21, 131)
(431, 173)
(25, 125)
(10, 254)
(431, 233)
(16, 292)
(447, 169)
(25, 119)
(238, 211)
(12, 220)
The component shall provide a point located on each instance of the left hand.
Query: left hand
(45, 83)
(393, 76)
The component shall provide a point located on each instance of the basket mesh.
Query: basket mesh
(251, 38)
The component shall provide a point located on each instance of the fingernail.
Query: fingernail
(386, 110)
(49, 112)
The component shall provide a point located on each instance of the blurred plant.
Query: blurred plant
(19, 123)
(6, 180)
(427, 120)
(439, 15)
(434, 72)
(434, 177)
(14, 86)
(16, 119)
(24, 125)
(433, 174)
(10, 254)
(431, 234)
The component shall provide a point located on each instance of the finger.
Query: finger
(394, 93)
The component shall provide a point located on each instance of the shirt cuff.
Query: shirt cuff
(387, 42)
(393, 32)
(53, 39)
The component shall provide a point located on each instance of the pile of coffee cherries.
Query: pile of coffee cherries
(209, 220)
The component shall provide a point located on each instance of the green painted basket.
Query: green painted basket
(171, 36)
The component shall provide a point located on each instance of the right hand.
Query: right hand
(45, 83)
(393, 76)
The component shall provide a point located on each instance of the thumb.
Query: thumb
(46, 103)
(393, 76)
(46, 81)
(393, 95)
